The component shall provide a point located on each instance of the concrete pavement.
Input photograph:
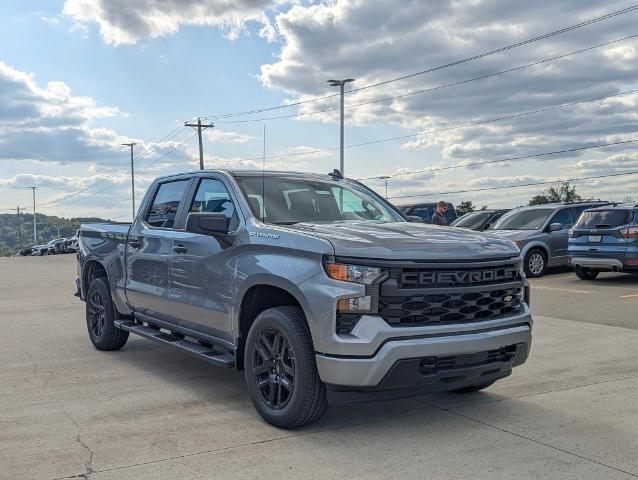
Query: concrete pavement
(148, 412)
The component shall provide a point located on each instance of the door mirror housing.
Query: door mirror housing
(206, 223)
(555, 227)
(415, 219)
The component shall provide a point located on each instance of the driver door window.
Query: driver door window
(564, 217)
(213, 197)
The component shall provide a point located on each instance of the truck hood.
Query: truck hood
(407, 241)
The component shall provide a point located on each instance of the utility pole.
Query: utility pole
(341, 84)
(17, 209)
(35, 228)
(200, 127)
(132, 177)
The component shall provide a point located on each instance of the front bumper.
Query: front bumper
(371, 372)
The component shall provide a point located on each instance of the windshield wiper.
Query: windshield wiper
(602, 225)
(284, 223)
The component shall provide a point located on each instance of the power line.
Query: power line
(511, 159)
(439, 67)
(61, 201)
(532, 184)
(455, 127)
(431, 89)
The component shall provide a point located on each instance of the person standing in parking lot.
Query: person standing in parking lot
(439, 215)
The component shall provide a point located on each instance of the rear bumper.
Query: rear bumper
(396, 368)
(597, 263)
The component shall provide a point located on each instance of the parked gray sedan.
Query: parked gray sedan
(541, 232)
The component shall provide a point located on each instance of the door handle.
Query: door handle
(135, 243)
(179, 248)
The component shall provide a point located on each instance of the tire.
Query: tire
(288, 392)
(586, 273)
(474, 388)
(535, 263)
(100, 315)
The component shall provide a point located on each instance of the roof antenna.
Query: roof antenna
(263, 178)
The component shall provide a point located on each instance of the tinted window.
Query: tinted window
(424, 212)
(564, 217)
(213, 197)
(165, 204)
(472, 220)
(293, 200)
(603, 219)
(531, 219)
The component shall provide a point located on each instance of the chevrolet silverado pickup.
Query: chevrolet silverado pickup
(313, 285)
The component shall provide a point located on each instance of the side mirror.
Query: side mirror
(555, 227)
(415, 219)
(206, 223)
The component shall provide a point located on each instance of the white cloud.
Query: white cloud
(217, 135)
(128, 21)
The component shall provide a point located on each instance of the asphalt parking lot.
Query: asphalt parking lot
(148, 412)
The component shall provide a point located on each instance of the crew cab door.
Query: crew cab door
(202, 267)
(149, 248)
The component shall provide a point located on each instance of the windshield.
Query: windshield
(293, 200)
(532, 219)
(603, 219)
(472, 220)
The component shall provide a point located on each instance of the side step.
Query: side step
(205, 353)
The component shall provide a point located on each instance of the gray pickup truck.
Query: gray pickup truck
(314, 285)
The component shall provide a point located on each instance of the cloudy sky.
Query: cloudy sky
(80, 77)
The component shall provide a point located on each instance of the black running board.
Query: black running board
(205, 353)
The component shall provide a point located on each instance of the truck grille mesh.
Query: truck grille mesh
(449, 308)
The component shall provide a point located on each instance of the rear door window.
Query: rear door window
(604, 219)
(166, 203)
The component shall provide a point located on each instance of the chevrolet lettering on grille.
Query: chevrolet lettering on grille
(460, 278)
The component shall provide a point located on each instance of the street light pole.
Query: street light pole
(132, 177)
(341, 84)
(384, 177)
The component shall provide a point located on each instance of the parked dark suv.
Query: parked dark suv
(605, 239)
(426, 210)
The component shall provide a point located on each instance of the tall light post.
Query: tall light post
(132, 177)
(35, 228)
(341, 84)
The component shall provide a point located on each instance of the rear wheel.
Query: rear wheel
(586, 273)
(100, 317)
(280, 370)
(535, 263)
(474, 388)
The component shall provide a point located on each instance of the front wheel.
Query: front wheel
(100, 317)
(280, 370)
(535, 263)
(585, 273)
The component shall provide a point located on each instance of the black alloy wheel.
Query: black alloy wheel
(273, 365)
(96, 313)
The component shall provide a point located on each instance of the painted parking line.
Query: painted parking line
(633, 295)
(565, 290)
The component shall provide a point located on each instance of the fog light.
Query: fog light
(353, 305)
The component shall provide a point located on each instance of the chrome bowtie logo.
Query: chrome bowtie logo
(460, 278)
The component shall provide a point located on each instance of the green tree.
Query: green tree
(464, 207)
(560, 192)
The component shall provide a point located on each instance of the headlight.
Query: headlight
(352, 273)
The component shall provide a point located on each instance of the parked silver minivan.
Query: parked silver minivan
(541, 232)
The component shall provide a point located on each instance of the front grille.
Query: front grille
(451, 293)
(429, 365)
(442, 308)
